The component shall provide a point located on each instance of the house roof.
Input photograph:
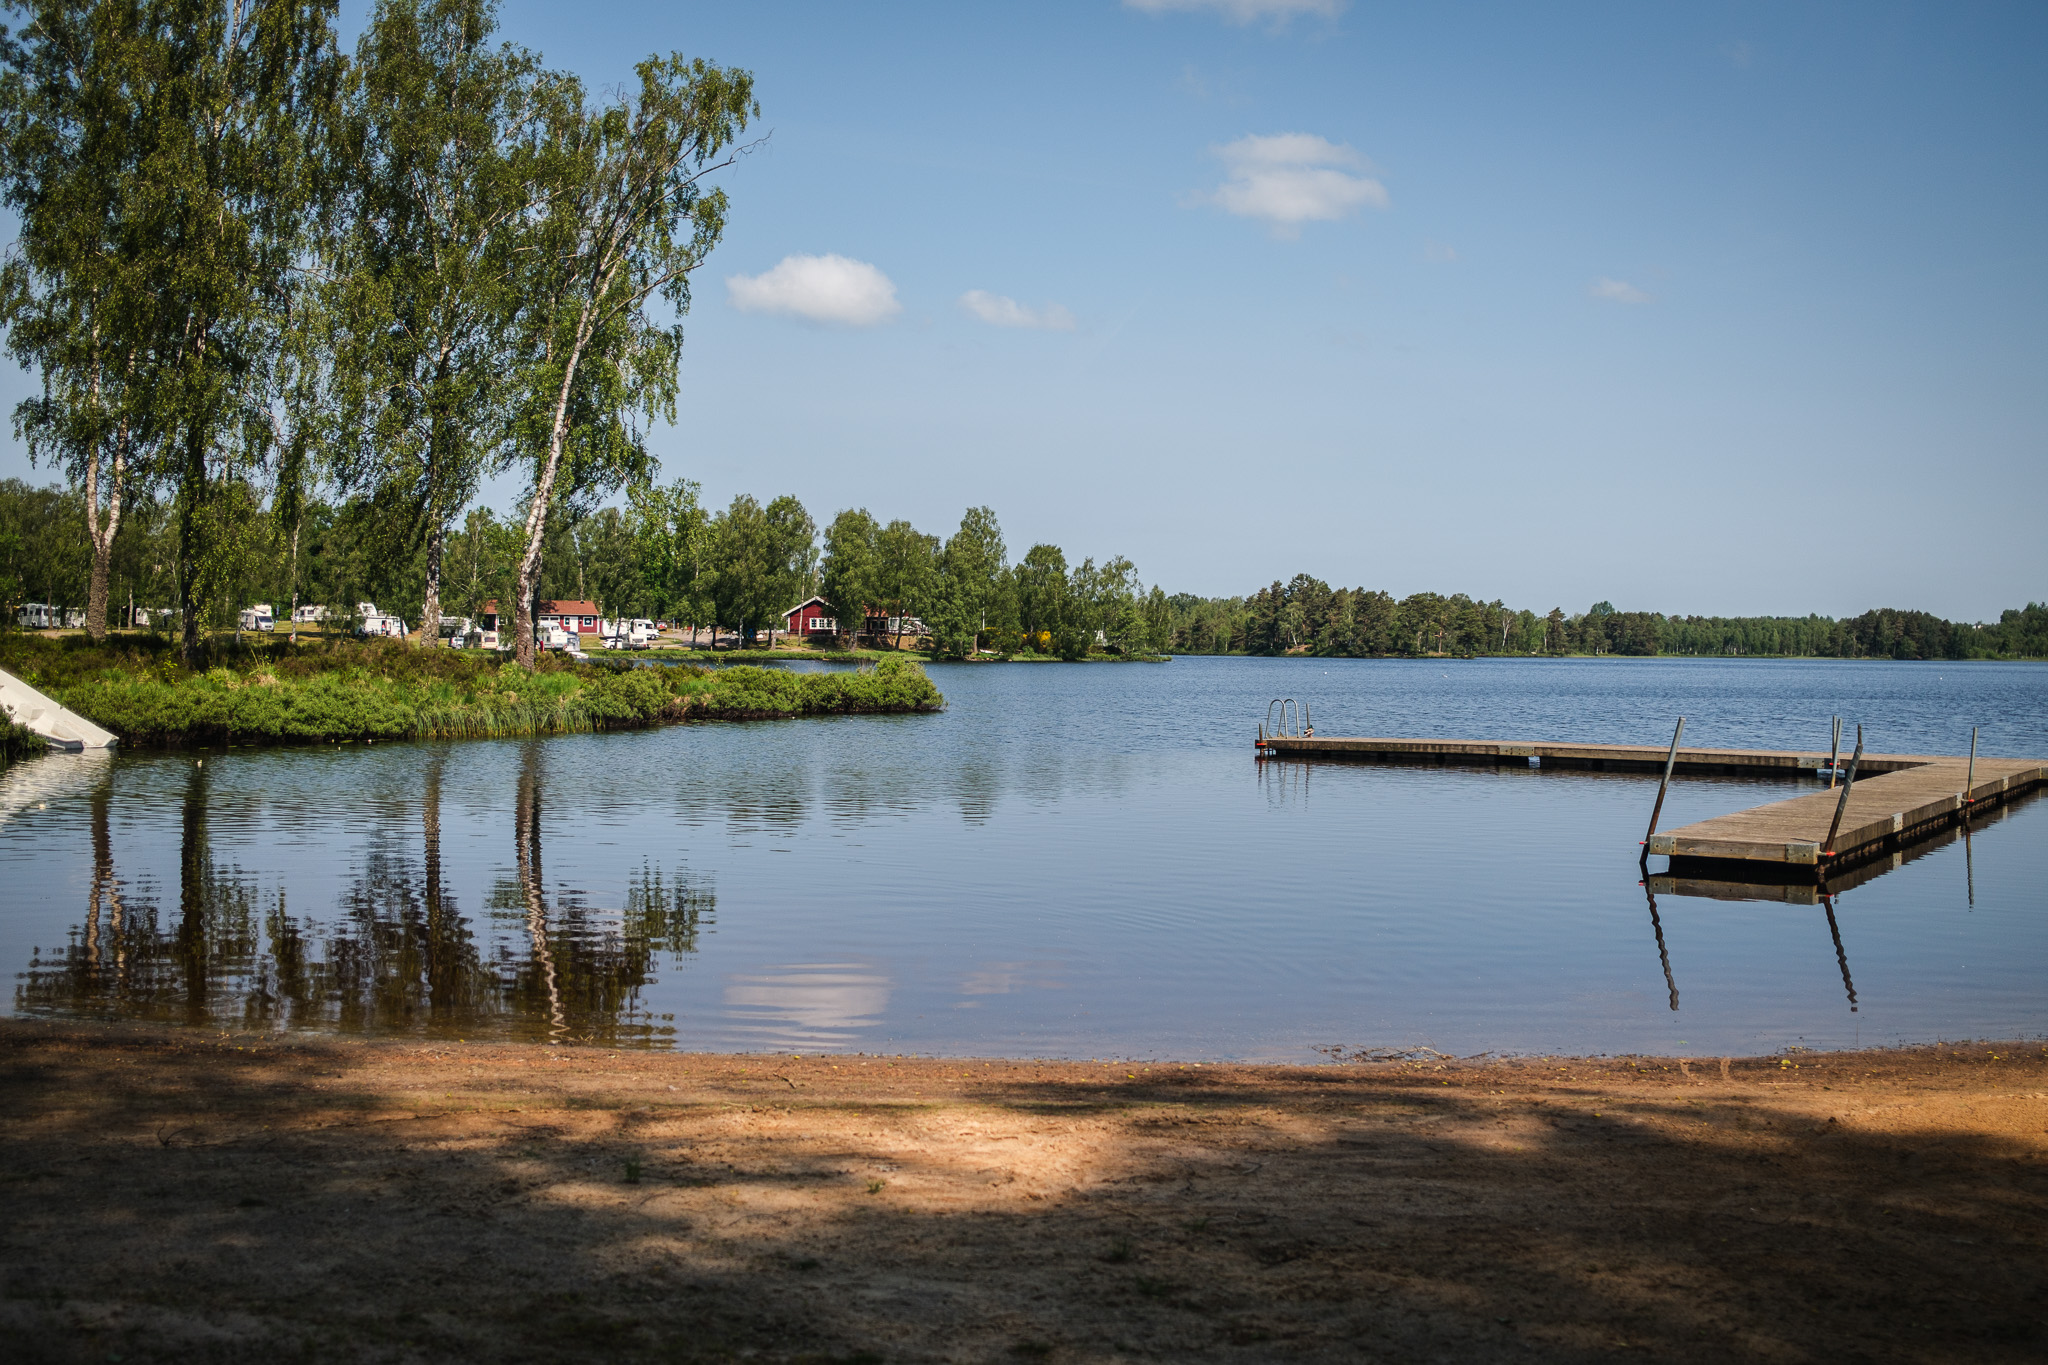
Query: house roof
(546, 608)
(805, 603)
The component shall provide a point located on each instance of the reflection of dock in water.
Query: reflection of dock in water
(1740, 884)
(1895, 801)
(1653, 887)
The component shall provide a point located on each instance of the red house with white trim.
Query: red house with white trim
(577, 618)
(812, 616)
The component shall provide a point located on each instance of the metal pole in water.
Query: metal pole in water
(1970, 780)
(1670, 761)
(1835, 754)
(1828, 850)
(1841, 958)
(1969, 869)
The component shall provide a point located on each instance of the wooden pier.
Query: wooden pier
(1896, 797)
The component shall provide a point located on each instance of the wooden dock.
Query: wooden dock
(1896, 798)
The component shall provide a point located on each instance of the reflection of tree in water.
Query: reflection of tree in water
(584, 972)
(205, 967)
(397, 957)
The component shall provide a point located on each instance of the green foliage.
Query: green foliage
(671, 538)
(383, 690)
(852, 577)
(762, 560)
(18, 741)
(1305, 615)
(625, 216)
(418, 300)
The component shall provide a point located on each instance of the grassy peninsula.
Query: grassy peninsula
(274, 692)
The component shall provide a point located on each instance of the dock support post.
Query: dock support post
(1970, 780)
(1828, 849)
(1670, 761)
(1835, 754)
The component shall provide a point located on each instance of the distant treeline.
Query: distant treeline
(662, 556)
(1306, 615)
(666, 557)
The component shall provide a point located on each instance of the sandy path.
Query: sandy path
(189, 1196)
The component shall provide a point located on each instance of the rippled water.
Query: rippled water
(1072, 860)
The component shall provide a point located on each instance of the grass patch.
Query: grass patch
(274, 692)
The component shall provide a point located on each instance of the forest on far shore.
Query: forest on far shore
(1307, 615)
(664, 557)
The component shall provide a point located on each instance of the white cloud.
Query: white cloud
(1439, 253)
(821, 288)
(1292, 178)
(997, 311)
(1616, 291)
(1244, 11)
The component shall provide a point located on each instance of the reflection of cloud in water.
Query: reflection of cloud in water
(807, 1002)
(1004, 978)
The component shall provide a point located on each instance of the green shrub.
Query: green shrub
(271, 692)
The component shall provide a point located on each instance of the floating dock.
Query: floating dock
(1896, 797)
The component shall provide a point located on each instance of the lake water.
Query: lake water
(1070, 861)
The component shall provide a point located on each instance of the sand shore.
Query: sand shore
(193, 1196)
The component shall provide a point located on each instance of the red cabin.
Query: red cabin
(812, 616)
(577, 618)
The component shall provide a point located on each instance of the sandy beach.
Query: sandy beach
(199, 1196)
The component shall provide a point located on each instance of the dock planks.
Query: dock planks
(1896, 798)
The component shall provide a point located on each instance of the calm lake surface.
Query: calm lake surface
(1071, 861)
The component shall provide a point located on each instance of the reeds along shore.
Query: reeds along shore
(277, 693)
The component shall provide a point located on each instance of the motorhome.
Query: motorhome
(458, 632)
(638, 633)
(377, 623)
(309, 615)
(258, 617)
(36, 616)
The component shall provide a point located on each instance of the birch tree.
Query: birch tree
(233, 98)
(70, 134)
(627, 218)
(433, 156)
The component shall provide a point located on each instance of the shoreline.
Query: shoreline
(183, 1191)
(346, 692)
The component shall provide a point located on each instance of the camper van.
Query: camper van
(258, 617)
(634, 634)
(309, 615)
(458, 632)
(377, 623)
(35, 616)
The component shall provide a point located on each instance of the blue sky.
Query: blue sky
(1709, 308)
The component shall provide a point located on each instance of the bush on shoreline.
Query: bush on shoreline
(273, 692)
